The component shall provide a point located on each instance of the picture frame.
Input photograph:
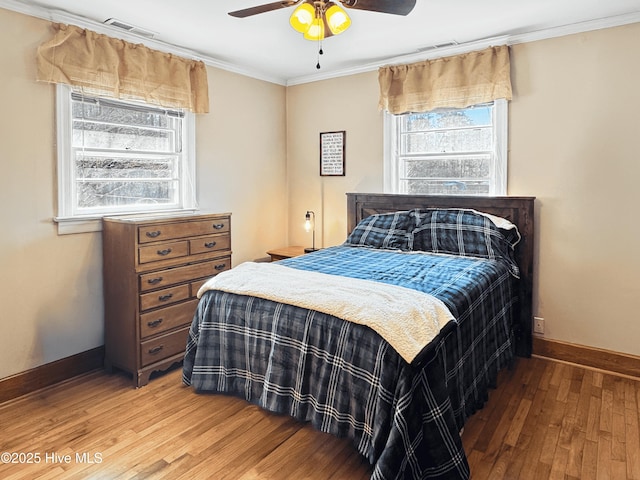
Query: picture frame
(332, 153)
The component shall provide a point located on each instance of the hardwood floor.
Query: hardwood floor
(545, 420)
(551, 420)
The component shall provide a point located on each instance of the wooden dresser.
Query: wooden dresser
(153, 268)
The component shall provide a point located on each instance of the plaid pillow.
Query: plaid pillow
(462, 232)
(385, 230)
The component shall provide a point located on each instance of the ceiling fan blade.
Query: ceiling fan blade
(247, 12)
(396, 7)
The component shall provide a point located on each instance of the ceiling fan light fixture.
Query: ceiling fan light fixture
(337, 19)
(318, 19)
(302, 17)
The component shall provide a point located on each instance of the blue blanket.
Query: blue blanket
(345, 379)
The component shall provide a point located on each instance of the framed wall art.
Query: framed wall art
(332, 147)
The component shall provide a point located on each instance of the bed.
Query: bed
(392, 339)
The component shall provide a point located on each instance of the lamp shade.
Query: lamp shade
(337, 19)
(302, 17)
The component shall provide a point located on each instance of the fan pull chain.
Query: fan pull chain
(320, 52)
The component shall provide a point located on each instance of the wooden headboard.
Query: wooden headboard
(518, 210)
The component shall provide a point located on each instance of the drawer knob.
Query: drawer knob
(220, 266)
(154, 323)
(156, 350)
(153, 234)
(155, 280)
(164, 298)
(218, 226)
(210, 244)
(164, 252)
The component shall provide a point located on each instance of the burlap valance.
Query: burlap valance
(453, 82)
(120, 69)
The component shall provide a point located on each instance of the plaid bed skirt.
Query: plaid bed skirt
(346, 380)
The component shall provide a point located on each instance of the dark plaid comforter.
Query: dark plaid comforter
(347, 381)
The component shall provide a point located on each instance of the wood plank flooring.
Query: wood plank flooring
(545, 420)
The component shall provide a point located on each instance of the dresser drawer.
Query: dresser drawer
(209, 244)
(159, 321)
(220, 265)
(171, 276)
(195, 286)
(164, 346)
(170, 231)
(163, 251)
(166, 296)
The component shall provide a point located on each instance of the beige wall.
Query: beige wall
(241, 153)
(51, 285)
(574, 143)
(574, 138)
(347, 103)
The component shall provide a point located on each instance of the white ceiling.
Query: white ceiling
(265, 46)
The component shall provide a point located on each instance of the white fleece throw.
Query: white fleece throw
(407, 319)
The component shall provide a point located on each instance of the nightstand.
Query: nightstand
(285, 252)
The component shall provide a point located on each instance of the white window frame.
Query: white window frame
(68, 219)
(500, 131)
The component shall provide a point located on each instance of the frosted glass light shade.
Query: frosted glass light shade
(337, 19)
(316, 30)
(302, 17)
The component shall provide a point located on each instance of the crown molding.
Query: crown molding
(457, 49)
(57, 16)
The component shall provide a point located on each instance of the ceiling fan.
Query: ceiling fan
(396, 7)
(319, 19)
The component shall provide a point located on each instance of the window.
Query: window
(448, 151)
(117, 157)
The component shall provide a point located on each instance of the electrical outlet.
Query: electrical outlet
(538, 324)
